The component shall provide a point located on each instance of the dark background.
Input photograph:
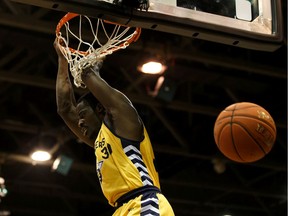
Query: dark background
(205, 78)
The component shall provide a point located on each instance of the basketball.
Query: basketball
(244, 132)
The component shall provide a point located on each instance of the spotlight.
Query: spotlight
(5, 213)
(43, 148)
(3, 190)
(62, 164)
(166, 89)
(219, 166)
(41, 155)
(152, 67)
(152, 63)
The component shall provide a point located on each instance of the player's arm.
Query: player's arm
(120, 113)
(65, 99)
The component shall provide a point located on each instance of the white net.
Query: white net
(90, 40)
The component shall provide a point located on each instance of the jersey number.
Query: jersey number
(107, 151)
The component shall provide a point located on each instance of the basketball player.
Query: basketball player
(106, 120)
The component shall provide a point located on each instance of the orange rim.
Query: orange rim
(70, 16)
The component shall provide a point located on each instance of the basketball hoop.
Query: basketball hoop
(85, 41)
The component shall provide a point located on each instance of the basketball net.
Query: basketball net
(85, 41)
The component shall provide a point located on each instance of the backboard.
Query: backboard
(250, 24)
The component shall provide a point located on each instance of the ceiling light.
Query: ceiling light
(166, 89)
(44, 146)
(152, 67)
(219, 167)
(41, 155)
(62, 164)
(3, 190)
(5, 213)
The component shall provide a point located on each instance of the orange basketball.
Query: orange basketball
(244, 132)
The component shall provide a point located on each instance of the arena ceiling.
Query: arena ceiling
(204, 77)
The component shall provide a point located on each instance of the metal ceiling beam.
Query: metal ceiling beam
(9, 76)
(48, 27)
(37, 188)
(25, 22)
(175, 133)
(224, 188)
(20, 127)
(41, 82)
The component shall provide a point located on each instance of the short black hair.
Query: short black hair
(90, 99)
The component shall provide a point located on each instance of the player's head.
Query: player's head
(91, 113)
(89, 99)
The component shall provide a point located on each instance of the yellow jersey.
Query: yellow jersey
(123, 165)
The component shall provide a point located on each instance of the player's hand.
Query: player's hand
(57, 47)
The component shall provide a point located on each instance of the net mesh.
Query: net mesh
(86, 41)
